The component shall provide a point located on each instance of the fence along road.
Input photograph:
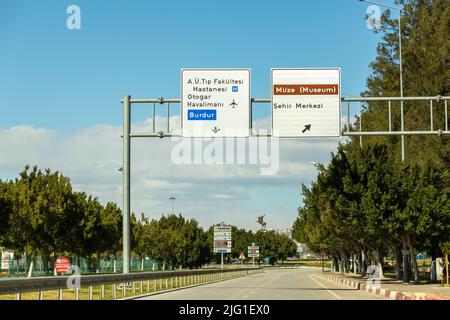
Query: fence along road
(138, 283)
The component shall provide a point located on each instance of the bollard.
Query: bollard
(134, 288)
(102, 292)
(148, 285)
(141, 287)
(41, 295)
(114, 291)
(77, 294)
(60, 294)
(18, 296)
(90, 292)
(124, 290)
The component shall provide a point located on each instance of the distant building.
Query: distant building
(302, 250)
(286, 232)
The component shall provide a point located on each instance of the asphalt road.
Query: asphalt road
(297, 284)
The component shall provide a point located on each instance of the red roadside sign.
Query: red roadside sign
(62, 265)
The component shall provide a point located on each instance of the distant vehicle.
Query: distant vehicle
(292, 259)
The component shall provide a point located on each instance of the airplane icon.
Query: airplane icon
(234, 104)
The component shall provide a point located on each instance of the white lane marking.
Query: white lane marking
(252, 281)
(329, 291)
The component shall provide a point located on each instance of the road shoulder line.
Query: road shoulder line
(323, 286)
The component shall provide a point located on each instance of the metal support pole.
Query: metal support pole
(348, 116)
(390, 116)
(431, 115)
(168, 117)
(360, 126)
(401, 78)
(446, 115)
(405, 256)
(154, 118)
(126, 183)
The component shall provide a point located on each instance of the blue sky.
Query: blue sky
(67, 81)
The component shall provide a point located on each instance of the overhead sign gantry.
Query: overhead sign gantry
(217, 103)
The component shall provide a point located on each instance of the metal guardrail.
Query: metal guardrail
(42, 284)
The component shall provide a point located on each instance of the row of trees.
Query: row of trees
(364, 204)
(41, 215)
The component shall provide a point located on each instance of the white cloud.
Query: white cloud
(92, 157)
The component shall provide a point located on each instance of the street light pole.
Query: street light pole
(172, 199)
(126, 247)
(400, 62)
(402, 120)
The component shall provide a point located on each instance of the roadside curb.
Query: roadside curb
(386, 293)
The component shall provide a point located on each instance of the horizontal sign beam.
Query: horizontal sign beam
(397, 133)
(269, 100)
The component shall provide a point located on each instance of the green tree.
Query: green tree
(41, 210)
(5, 210)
